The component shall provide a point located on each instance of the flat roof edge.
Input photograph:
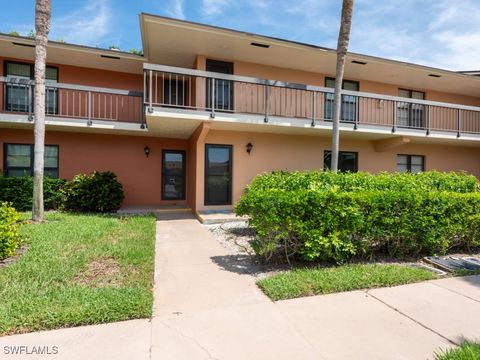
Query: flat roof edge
(173, 21)
(71, 46)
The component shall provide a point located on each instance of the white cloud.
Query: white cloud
(459, 51)
(443, 34)
(89, 25)
(437, 33)
(176, 9)
(214, 7)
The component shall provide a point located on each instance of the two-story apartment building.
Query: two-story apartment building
(205, 109)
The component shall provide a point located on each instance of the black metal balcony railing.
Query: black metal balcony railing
(73, 101)
(172, 87)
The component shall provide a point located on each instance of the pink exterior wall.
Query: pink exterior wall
(105, 106)
(90, 77)
(296, 103)
(302, 77)
(140, 176)
(310, 78)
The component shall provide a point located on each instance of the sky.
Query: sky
(437, 33)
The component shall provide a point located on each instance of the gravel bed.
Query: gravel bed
(236, 238)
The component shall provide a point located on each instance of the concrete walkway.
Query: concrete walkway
(205, 309)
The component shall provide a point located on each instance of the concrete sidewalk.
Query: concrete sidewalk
(203, 311)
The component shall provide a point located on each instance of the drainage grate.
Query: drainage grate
(452, 263)
(429, 268)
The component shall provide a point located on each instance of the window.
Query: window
(347, 160)
(408, 114)
(18, 160)
(19, 95)
(349, 102)
(218, 174)
(223, 88)
(410, 163)
(51, 93)
(51, 161)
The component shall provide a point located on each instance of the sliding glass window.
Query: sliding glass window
(18, 160)
(19, 91)
(18, 94)
(411, 115)
(349, 102)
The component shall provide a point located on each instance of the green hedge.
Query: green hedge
(322, 180)
(18, 191)
(97, 192)
(338, 222)
(9, 230)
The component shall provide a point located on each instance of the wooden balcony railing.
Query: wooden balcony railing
(173, 87)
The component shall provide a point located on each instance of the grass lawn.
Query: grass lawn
(466, 351)
(307, 282)
(78, 270)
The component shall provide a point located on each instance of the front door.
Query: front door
(218, 174)
(173, 175)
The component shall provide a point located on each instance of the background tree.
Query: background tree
(42, 28)
(342, 48)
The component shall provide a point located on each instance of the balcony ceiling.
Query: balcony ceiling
(18, 47)
(176, 43)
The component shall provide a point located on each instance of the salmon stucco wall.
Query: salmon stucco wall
(124, 155)
(318, 79)
(72, 103)
(303, 77)
(141, 176)
(90, 77)
(289, 152)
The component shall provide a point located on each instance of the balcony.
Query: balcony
(70, 104)
(196, 92)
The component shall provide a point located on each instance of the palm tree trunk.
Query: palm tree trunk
(42, 28)
(342, 48)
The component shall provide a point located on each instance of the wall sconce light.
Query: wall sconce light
(146, 150)
(249, 147)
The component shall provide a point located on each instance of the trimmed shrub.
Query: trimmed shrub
(19, 190)
(9, 230)
(97, 192)
(322, 180)
(325, 222)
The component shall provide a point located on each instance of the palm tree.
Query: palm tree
(42, 28)
(342, 48)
